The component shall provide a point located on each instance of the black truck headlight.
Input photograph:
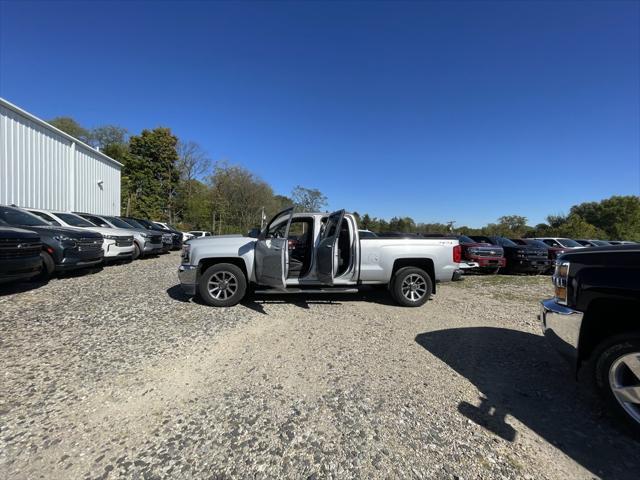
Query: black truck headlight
(560, 281)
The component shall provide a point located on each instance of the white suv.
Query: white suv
(117, 243)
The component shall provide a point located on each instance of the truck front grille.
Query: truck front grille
(17, 248)
(89, 245)
(124, 241)
(488, 253)
(156, 238)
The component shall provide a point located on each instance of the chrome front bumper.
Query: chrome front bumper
(561, 326)
(188, 276)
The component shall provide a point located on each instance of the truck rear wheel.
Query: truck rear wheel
(617, 375)
(411, 287)
(222, 285)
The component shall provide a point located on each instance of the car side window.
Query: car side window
(277, 231)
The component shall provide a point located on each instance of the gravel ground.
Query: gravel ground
(117, 375)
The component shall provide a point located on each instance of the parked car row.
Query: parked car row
(40, 243)
(490, 254)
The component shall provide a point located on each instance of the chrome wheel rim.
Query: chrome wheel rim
(222, 285)
(414, 287)
(624, 381)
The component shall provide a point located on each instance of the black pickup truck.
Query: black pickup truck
(593, 321)
(520, 258)
(19, 254)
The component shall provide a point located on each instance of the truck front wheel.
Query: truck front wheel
(617, 373)
(222, 285)
(411, 287)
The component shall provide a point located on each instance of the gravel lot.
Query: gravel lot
(117, 374)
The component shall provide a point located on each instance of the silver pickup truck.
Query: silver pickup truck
(315, 252)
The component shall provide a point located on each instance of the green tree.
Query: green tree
(107, 135)
(238, 197)
(154, 160)
(577, 227)
(618, 216)
(69, 126)
(308, 199)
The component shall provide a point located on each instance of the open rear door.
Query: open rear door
(272, 251)
(327, 253)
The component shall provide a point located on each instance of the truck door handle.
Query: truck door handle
(277, 249)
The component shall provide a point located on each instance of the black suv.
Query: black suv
(19, 254)
(176, 237)
(62, 248)
(520, 258)
(593, 321)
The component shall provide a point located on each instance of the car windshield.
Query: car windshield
(567, 242)
(600, 243)
(74, 220)
(15, 216)
(116, 222)
(519, 241)
(134, 223)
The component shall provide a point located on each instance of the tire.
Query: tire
(411, 287)
(231, 277)
(136, 251)
(612, 372)
(48, 266)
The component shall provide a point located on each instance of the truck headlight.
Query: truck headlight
(186, 251)
(560, 280)
(110, 237)
(66, 240)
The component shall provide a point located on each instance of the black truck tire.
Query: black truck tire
(411, 287)
(222, 285)
(48, 266)
(616, 368)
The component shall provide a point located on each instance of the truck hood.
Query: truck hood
(51, 230)
(223, 242)
(121, 232)
(12, 232)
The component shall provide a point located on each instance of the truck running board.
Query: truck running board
(273, 291)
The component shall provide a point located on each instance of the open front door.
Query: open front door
(327, 254)
(272, 251)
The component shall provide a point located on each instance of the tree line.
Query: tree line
(169, 179)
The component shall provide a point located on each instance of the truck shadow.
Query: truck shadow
(257, 301)
(519, 375)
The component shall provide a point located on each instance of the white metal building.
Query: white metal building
(43, 167)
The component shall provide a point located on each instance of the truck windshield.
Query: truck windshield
(134, 224)
(74, 220)
(465, 239)
(567, 242)
(505, 242)
(14, 216)
(119, 223)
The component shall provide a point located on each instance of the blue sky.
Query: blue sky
(440, 111)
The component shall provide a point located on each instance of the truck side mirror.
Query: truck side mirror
(254, 233)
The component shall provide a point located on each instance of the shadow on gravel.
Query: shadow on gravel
(13, 288)
(521, 376)
(256, 301)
